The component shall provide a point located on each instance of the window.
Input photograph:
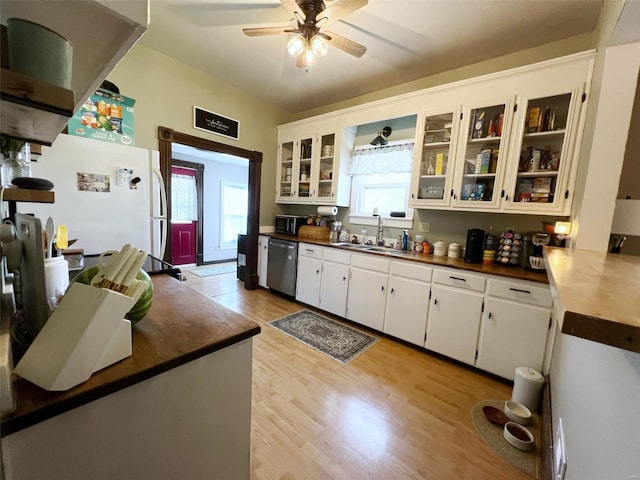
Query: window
(381, 180)
(233, 213)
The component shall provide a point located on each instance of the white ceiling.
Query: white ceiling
(405, 39)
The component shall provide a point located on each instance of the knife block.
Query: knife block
(85, 333)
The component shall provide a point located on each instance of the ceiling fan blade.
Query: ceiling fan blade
(281, 30)
(338, 10)
(294, 9)
(344, 44)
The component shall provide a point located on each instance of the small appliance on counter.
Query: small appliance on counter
(475, 246)
(290, 224)
(532, 252)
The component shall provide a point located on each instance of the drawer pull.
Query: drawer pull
(457, 278)
(310, 250)
(520, 290)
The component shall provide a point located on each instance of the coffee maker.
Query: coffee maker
(475, 245)
(533, 257)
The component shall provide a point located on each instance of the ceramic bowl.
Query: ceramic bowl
(494, 415)
(518, 436)
(517, 412)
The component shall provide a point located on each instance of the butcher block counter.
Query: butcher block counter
(178, 407)
(599, 293)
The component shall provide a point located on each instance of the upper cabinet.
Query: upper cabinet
(101, 32)
(312, 162)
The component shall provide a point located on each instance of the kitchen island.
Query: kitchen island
(178, 407)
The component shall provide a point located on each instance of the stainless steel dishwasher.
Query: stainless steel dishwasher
(282, 266)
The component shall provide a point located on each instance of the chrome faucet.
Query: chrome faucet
(379, 240)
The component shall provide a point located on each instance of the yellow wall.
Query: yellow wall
(166, 91)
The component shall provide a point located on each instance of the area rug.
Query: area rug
(215, 270)
(338, 341)
(493, 436)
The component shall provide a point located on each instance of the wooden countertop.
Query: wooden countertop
(600, 293)
(459, 263)
(182, 325)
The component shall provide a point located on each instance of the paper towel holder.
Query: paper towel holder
(327, 210)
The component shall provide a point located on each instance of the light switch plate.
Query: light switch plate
(425, 227)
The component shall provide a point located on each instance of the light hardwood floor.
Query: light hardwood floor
(395, 412)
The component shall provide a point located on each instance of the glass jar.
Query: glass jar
(16, 164)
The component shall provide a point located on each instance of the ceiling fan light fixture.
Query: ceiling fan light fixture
(319, 45)
(296, 45)
(309, 58)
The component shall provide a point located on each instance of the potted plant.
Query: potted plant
(16, 159)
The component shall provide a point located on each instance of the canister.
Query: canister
(454, 250)
(440, 249)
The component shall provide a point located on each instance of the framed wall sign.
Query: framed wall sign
(214, 123)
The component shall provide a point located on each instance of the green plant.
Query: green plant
(10, 144)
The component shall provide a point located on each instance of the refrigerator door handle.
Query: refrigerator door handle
(163, 213)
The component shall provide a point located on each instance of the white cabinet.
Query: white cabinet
(263, 259)
(454, 313)
(453, 324)
(515, 327)
(312, 162)
(407, 301)
(334, 284)
(309, 274)
(367, 295)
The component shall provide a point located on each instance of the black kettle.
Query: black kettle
(475, 245)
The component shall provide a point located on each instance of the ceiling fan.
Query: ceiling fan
(309, 41)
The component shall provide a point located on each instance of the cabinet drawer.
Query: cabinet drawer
(370, 262)
(411, 270)
(336, 255)
(459, 279)
(310, 250)
(521, 292)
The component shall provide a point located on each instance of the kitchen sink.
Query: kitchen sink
(388, 250)
(351, 245)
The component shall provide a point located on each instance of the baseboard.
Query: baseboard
(546, 450)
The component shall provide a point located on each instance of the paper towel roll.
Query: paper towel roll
(327, 210)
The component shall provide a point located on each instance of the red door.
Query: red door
(184, 217)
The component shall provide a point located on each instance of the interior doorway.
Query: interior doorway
(167, 138)
(186, 213)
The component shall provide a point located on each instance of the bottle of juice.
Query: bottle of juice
(489, 252)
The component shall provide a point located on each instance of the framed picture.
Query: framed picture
(215, 123)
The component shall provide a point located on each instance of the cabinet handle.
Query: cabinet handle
(507, 197)
(392, 290)
(382, 288)
(490, 315)
(310, 250)
(520, 290)
(435, 301)
(457, 278)
(317, 272)
(413, 195)
(344, 279)
(451, 192)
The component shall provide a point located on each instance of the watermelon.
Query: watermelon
(141, 307)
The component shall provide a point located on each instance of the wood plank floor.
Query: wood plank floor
(395, 412)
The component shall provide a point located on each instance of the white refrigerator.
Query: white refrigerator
(103, 218)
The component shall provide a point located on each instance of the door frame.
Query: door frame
(199, 168)
(167, 136)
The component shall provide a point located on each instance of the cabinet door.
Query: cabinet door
(542, 153)
(308, 280)
(453, 323)
(285, 174)
(367, 297)
(263, 259)
(323, 177)
(512, 335)
(482, 156)
(433, 166)
(407, 307)
(303, 179)
(334, 287)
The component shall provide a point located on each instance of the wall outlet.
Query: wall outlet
(559, 457)
(425, 227)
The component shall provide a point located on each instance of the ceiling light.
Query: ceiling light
(296, 45)
(309, 58)
(319, 45)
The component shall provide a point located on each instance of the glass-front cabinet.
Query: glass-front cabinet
(481, 161)
(323, 177)
(541, 148)
(285, 173)
(434, 157)
(295, 160)
(303, 178)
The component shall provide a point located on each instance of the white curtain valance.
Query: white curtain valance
(368, 160)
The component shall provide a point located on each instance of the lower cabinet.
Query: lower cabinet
(407, 302)
(334, 283)
(263, 259)
(454, 321)
(309, 274)
(514, 334)
(367, 295)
